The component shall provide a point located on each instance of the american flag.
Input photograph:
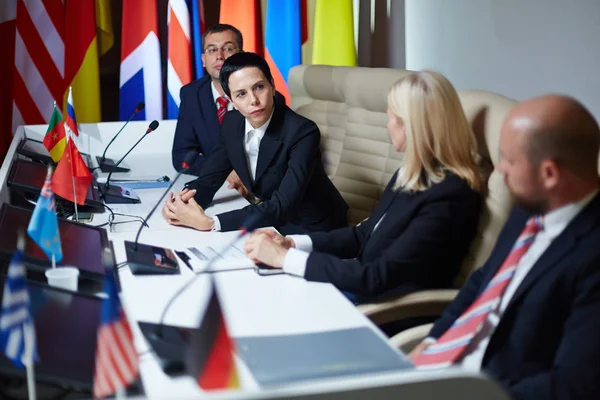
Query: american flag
(38, 78)
(116, 357)
(17, 332)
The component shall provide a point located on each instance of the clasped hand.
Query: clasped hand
(268, 247)
(181, 209)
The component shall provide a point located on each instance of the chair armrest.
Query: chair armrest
(409, 338)
(425, 303)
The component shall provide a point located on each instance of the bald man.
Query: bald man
(530, 317)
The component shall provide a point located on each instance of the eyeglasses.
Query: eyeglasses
(228, 50)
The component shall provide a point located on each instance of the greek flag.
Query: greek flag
(17, 333)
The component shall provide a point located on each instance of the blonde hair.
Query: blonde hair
(438, 136)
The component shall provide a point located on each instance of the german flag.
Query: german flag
(210, 357)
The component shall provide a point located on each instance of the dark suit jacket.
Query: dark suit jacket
(297, 195)
(419, 244)
(547, 343)
(197, 125)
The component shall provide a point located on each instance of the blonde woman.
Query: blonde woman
(421, 229)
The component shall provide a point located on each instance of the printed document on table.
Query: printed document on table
(233, 258)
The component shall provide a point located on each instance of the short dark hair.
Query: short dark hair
(222, 28)
(240, 61)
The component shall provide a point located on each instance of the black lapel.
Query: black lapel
(560, 247)
(238, 155)
(209, 113)
(271, 141)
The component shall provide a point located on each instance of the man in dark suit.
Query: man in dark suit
(204, 104)
(274, 151)
(530, 317)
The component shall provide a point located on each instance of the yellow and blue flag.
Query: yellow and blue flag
(43, 226)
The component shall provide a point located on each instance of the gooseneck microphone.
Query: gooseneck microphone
(115, 194)
(132, 248)
(108, 165)
(248, 226)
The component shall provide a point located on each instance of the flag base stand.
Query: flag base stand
(115, 194)
(144, 259)
(108, 165)
(170, 344)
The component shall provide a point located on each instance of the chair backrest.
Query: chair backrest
(349, 106)
(485, 112)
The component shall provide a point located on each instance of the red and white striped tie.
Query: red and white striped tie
(451, 345)
(222, 108)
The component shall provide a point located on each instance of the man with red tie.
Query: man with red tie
(204, 104)
(530, 317)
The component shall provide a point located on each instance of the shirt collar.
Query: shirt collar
(557, 220)
(260, 131)
(215, 92)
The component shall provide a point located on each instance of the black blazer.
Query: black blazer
(297, 196)
(547, 343)
(419, 244)
(197, 125)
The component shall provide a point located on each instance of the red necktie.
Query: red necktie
(222, 108)
(451, 345)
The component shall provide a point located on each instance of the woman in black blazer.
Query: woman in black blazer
(276, 154)
(419, 233)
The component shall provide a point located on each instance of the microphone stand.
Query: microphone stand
(249, 226)
(142, 258)
(117, 194)
(108, 165)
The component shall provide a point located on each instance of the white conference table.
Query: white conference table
(253, 305)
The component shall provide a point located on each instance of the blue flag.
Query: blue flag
(43, 226)
(17, 332)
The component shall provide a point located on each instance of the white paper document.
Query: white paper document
(233, 258)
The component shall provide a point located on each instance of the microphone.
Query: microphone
(117, 194)
(108, 165)
(141, 260)
(248, 226)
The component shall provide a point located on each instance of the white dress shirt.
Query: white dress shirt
(252, 138)
(216, 95)
(296, 259)
(554, 223)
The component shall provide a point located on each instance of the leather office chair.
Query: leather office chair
(349, 106)
(485, 111)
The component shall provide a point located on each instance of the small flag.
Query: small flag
(55, 139)
(116, 357)
(72, 175)
(17, 332)
(43, 226)
(71, 120)
(210, 358)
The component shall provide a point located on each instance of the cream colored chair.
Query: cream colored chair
(349, 106)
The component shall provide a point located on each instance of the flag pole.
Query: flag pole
(70, 137)
(53, 261)
(28, 337)
(30, 365)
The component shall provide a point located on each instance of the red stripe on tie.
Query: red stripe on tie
(491, 294)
